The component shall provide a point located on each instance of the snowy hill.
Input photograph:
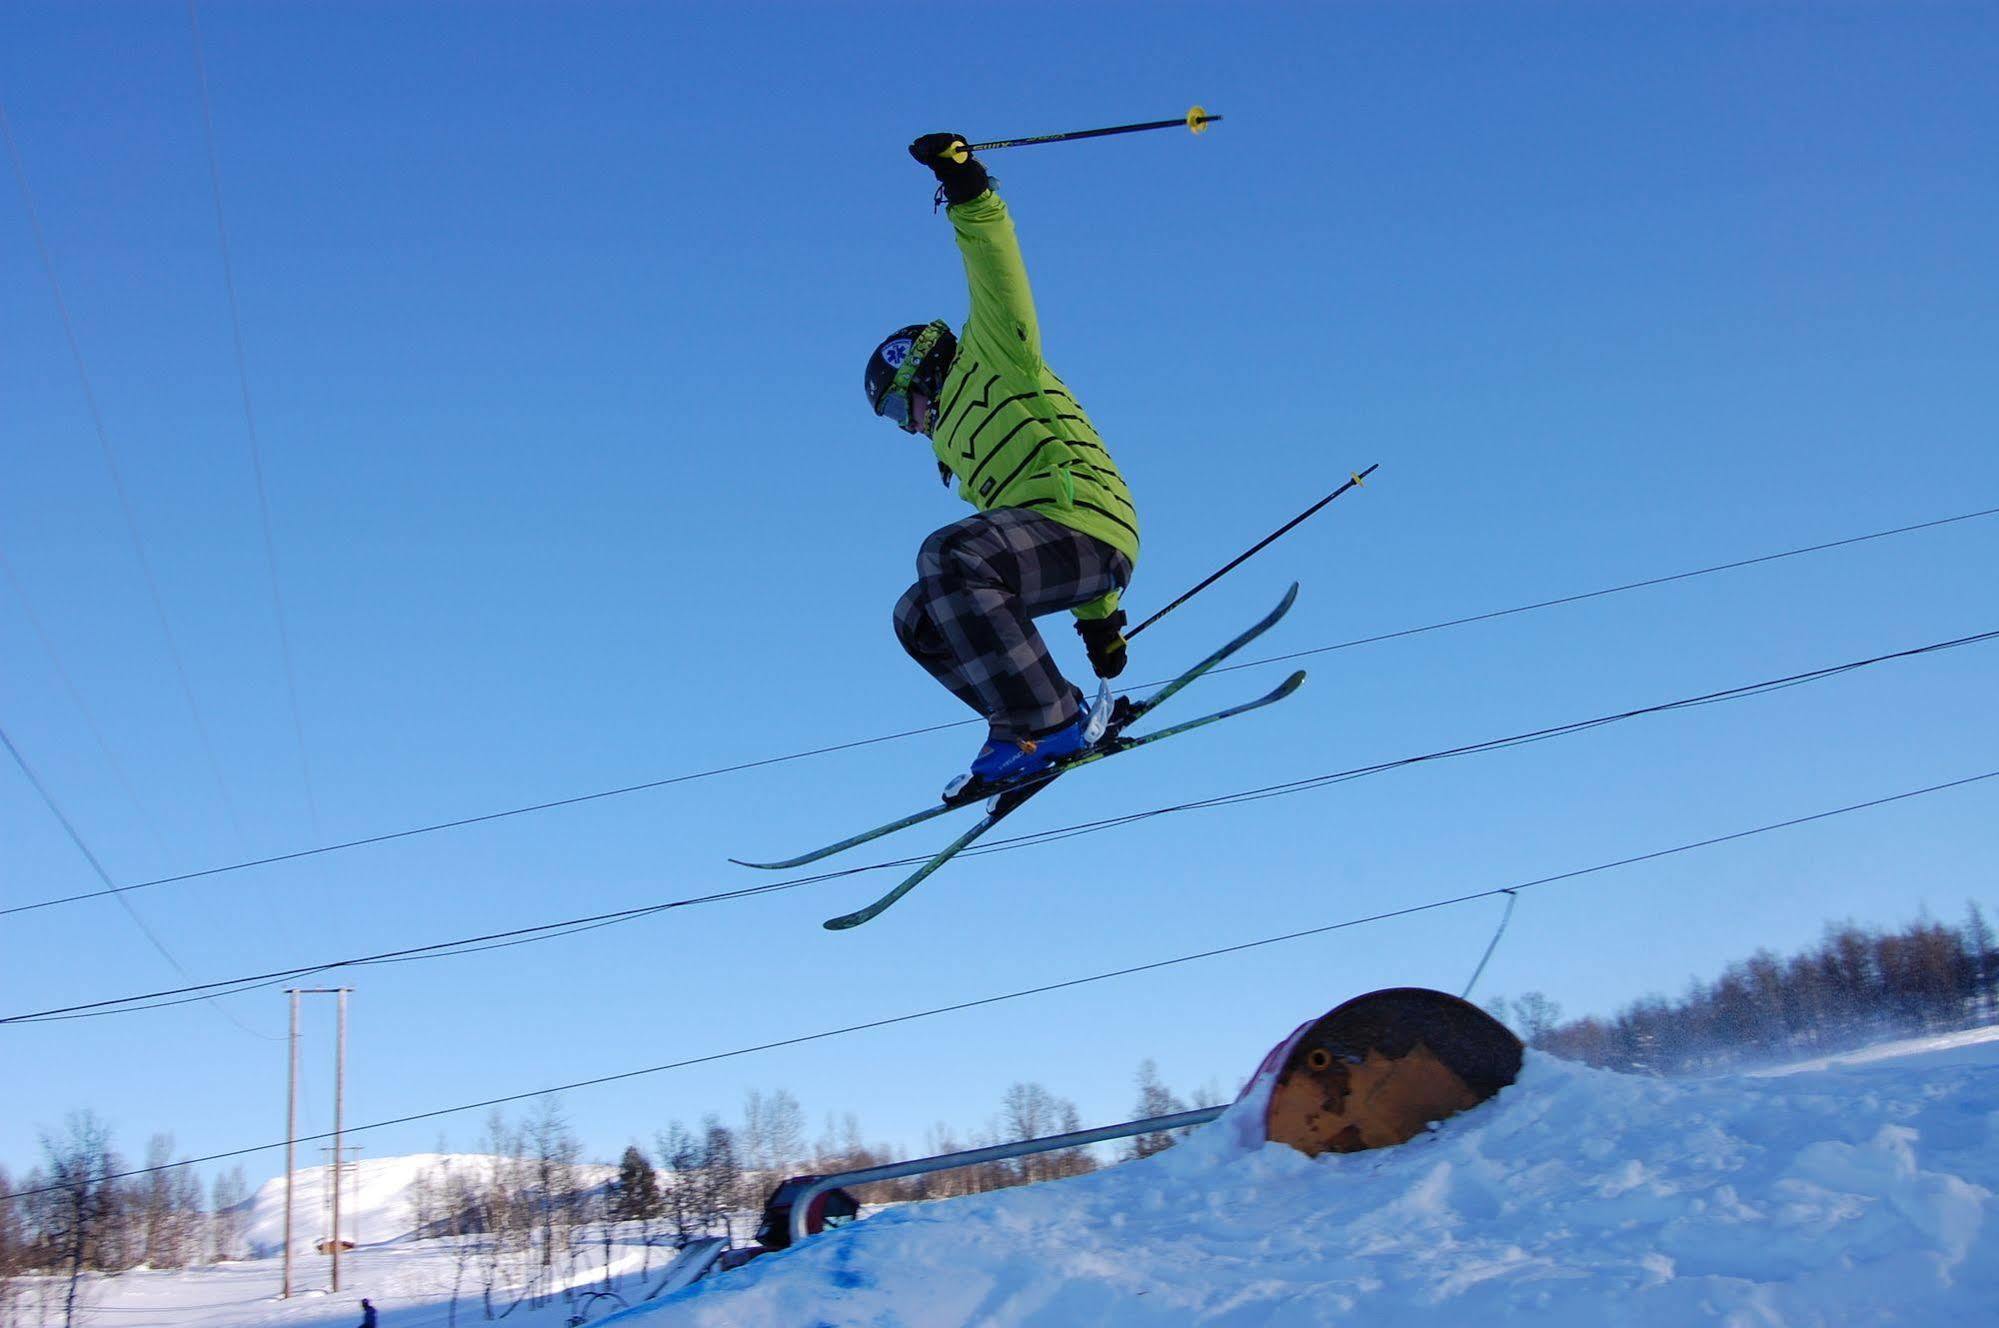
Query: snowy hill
(1854, 1195)
(1859, 1193)
(375, 1206)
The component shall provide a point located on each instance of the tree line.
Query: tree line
(523, 1220)
(1856, 986)
(83, 1222)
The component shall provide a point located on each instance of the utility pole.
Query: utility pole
(291, 1136)
(291, 1122)
(340, 1181)
(339, 1097)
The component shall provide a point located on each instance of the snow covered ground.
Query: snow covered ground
(409, 1283)
(1967, 1047)
(1860, 1192)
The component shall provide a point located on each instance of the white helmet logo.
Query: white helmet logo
(896, 352)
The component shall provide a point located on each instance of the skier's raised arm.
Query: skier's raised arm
(1002, 315)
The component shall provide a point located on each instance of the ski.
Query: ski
(1006, 802)
(1104, 748)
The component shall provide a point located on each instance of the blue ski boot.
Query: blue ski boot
(1007, 761)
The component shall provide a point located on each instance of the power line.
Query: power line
(570, 926)
(1518, 740)
(117, 767)
(1045, 988)
(251, 982)
(649, 785)
(117, 477)
(1616, 590)
(77, 839)
(250, 417)
(478, 820)
(1512, 898)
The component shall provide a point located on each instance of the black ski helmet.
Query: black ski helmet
(928, 375)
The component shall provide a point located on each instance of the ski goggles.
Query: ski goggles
(894, 404)
(896, 408)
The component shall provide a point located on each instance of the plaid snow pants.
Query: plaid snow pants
(969, 619)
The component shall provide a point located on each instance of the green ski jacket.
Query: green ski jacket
(1006, 426)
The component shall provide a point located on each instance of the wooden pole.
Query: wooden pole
(291, 1136)
(339, 1097)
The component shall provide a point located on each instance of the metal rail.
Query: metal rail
(801, 1207)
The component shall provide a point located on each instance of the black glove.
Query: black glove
(1104, 639)
(962, 181)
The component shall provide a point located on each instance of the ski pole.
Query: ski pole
(1353, 481)
(1196, 119)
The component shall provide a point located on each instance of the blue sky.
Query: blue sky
(554, 320)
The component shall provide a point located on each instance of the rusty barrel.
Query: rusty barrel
(1381, 1068)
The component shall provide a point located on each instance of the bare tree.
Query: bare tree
(753, 1139)
(1981, 958)
(190, 1217)
(1154, 1099)
(1070, 1161)
(680, 1156)
(554, 1151)
(787, 1131)
(1027, 1111)
(13, 1247)
(228, 1204)
(720, 1188)
(423, 1197)
(164, 1210)
(1535, 1017)
(457, 1205)
(1030, 1111)
(772, 1138)
(81, 1203)
(504, 1192)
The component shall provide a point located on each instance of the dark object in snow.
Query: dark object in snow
(1383, 1067)
(367, 1313)
(834, 1208)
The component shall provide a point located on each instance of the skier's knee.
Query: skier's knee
(961, 562)
(934, 552)
(913, 627)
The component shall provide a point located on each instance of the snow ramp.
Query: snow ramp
(1854, 1195)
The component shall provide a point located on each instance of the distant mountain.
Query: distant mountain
(375, 1204)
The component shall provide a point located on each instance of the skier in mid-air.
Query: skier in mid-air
(1055, 528)
(1055, 531)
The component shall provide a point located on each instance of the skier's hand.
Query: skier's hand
(1104, 639)
(964, 180)
(935, 150)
